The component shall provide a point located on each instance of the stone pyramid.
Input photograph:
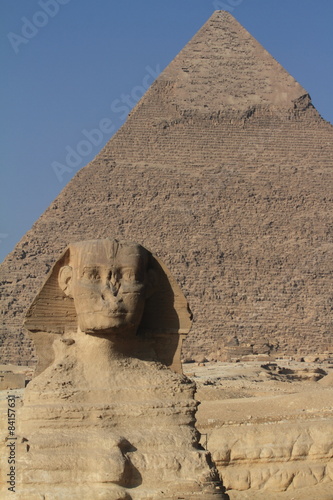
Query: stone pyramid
(224, 170)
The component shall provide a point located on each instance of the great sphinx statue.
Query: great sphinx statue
(110, 415)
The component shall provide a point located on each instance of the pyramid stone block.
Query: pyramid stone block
(224, 168)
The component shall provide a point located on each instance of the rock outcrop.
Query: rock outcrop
(274, 456)
(270, 434)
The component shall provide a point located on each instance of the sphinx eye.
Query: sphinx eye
(128, 274)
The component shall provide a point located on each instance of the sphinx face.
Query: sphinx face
(107, 283)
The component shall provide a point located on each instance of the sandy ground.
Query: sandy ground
(239, 392)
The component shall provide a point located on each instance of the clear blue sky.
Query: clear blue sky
(66, 62)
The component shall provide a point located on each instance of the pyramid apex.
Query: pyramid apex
(220, 14)
(223, 12)
(225, 66)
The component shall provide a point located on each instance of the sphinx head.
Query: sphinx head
(109, 282)
(115, 289)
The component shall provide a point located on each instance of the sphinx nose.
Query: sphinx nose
(111, 287)
(109, 293)
(112, 281)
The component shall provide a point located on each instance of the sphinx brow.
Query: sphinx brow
(111, 269)
(90, 269)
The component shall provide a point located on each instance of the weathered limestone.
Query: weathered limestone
(274, 456)
(105, 418)
(225, 169)
(270, 431)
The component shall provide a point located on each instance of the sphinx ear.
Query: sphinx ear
(152, 282)
(65, 280)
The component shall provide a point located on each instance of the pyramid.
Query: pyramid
(224, 170)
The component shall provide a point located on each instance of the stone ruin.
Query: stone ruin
(110, 415)
(224, 168)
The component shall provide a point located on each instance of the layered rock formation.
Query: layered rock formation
(225, 169)
(270, 433)
(132, 437)
(274, 457)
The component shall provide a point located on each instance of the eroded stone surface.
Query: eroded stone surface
(106, 419)
(270, 436)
